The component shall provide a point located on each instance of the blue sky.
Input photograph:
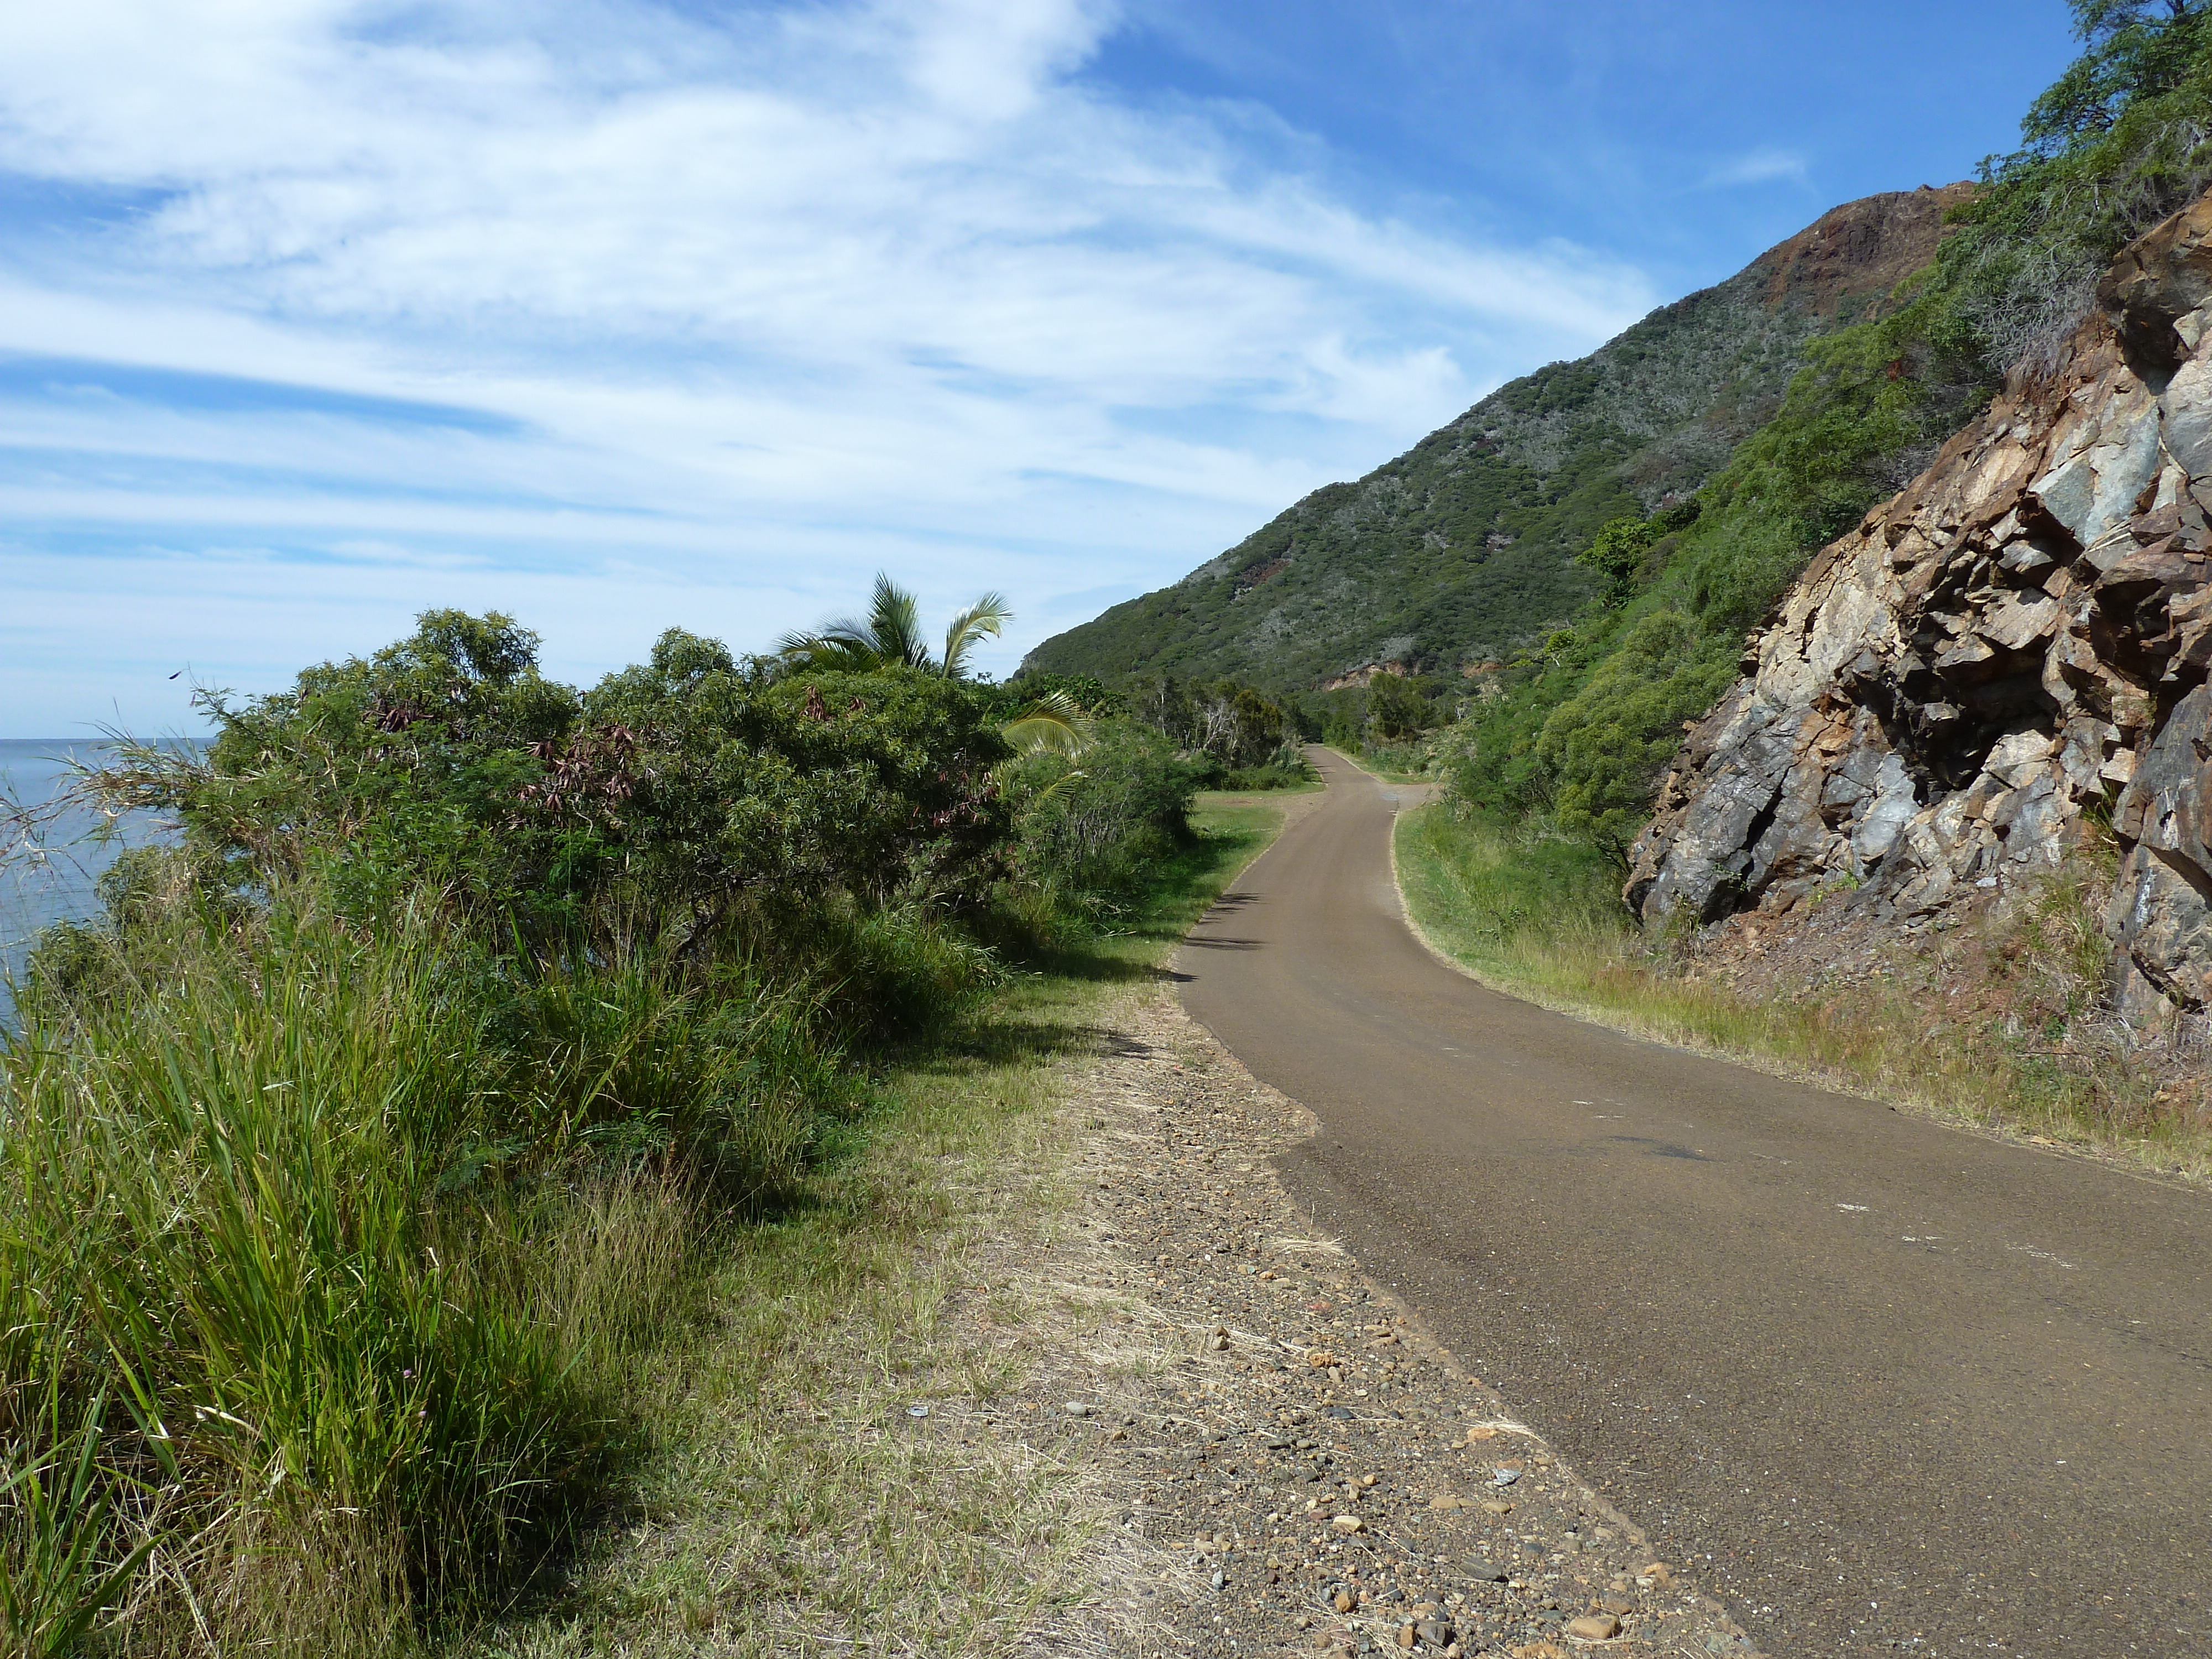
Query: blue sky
(617, 315)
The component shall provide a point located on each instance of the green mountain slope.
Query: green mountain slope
(1462, 547)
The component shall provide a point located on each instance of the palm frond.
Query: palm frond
(892, 634)
(895, 624)
(851, 630)
(1063, 785)
(986, 617)
(1053, 724)
(830, 651)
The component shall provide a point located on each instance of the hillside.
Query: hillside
(1462, 547)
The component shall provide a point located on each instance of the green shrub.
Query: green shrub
(1091, 825)
(1396, 710)
(1605, 747)
(1287, 768)
(688, 791)
(1620, 554)
(874, 784)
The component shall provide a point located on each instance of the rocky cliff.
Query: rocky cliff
(2016, 643)
(1463, 547)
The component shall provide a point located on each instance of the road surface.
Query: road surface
(1883, 1386)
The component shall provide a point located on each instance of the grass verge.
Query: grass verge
(788, 1502)
(2003, 1031)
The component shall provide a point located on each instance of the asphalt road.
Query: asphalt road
(1883, 1386)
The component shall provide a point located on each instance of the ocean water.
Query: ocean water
(47, 875)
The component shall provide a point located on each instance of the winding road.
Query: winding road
(1880, 1385)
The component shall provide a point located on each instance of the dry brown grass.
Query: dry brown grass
(794, 1502)
(2001, 1026)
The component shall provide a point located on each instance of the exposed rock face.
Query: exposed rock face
(1851, 257)
(2019, 637)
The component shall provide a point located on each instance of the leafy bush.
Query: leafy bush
(1605, 746)
(1287, 768)
(1089, 825)
(1396, 710)
(1618, 555)
(1086, 691)
(727, 790)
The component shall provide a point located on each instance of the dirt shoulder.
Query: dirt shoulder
(1286, 1458)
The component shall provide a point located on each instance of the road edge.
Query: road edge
(1827, 1083)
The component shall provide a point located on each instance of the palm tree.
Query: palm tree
(986, 616)
(892, 636)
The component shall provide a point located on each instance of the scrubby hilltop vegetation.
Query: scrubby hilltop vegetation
(1461, 549)
(353, 1158)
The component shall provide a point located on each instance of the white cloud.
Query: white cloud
(1761, 167)
(740, 308)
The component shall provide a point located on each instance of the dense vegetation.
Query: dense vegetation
(1237, 736)
(352, 1157)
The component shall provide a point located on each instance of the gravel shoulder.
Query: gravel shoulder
(1280, 1457)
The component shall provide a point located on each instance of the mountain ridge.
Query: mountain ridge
(1462, 547)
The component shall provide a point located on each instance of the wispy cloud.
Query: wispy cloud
(1761, 167)
(618, 317)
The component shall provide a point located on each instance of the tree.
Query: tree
(2119, 140)
(1618, 554)
(892, 634)
(1394, 708)
(2137, 50)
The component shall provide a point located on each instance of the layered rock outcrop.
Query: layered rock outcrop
(2019, 638)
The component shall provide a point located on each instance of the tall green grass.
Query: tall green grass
(321, 1251)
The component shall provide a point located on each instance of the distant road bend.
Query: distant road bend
(1883, 1386)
